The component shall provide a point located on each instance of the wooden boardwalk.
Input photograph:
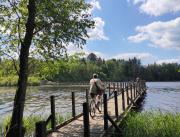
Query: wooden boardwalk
(76, 127)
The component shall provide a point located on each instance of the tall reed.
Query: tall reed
(151, 124)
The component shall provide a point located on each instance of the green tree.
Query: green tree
(92, 57)
(41, 27)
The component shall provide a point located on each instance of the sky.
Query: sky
(146, 29)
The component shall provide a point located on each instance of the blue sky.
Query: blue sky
(146, 29)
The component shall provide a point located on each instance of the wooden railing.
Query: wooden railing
(130, 92)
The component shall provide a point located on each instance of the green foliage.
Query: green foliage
(57, 24)
(33, 81)
(13, 80)
(30, 121)
(8, 81)
(151, 124)
(76, 68)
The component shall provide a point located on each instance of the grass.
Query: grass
(30, 121)
(151, 124)
(13, 80)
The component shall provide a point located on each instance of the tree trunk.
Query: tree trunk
(16, 126)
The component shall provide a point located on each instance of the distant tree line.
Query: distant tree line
(76, 69)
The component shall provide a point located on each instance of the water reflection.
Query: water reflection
(163, 96)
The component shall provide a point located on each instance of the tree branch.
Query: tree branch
(14, 62)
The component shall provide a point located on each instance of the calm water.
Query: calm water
(38, 100)
(160, 95)
(164, 96)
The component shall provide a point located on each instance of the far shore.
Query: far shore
(70, 84)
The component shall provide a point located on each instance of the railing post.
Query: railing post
(86, 119)
(116, 104)
(117, 88)
(53, 117)
(87, 96)
(105, 112)
(40, 129)
(134, 89)
(73, 105)
(127, 95)
(114, 87)
(109, 90)
(123, 101)
(131, 91)
(139, 86)
(120, 86)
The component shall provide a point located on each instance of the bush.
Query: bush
(33, 81)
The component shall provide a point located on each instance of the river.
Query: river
(164, 96)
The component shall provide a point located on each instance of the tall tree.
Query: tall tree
(42, 27)
(92, 57)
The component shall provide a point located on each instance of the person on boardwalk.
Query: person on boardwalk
(97, 88)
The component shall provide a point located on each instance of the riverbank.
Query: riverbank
(13, 80)
(151, 124)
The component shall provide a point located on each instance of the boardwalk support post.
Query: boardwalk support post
(40, 129)
(53, 117)
(73, 105)
(86, 119)
(105, 112)
(114, 124)
(116, 104)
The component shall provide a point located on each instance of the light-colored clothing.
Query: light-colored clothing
(93, 87)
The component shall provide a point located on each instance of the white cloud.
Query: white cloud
(95, 5)
(173, 60)
(71, 49)
(160, 34)
(127, 56)
(98, 32)
(157, 7)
